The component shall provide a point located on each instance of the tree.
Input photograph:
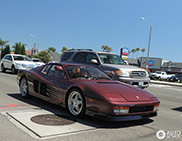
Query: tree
(19, 48)
(52, 49)
(106, 48)
(23, 52)
(2, 43)
(63, 50)
(44, 56)
(133, 51)
(143, 50)
(137, 50)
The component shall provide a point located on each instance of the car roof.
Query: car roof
(69, 63)
(35, 58)
(16, 54)
(89, 50)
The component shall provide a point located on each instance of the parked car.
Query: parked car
(161, 75)
(86, 90)
(37, 61)
(176, 78)
(109, 63)
(14, 62)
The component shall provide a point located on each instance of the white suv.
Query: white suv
(15, 62)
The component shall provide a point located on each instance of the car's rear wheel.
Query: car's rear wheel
(24, 88)
(13, 70)
(76, 103)
(2, 68)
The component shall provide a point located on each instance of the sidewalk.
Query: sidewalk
(166, 83)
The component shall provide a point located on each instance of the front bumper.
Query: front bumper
(121, 118)
(139, 82)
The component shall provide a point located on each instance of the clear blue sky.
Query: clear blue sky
(93, 23)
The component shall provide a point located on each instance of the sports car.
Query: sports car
(84, 90)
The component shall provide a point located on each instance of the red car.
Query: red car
(86, 90)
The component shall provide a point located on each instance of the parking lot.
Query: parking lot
(20, 118)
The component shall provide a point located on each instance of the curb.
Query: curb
(166, 83)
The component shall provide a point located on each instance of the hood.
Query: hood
(124, 67)
(116, 91)
(25, 62)
(39, 63)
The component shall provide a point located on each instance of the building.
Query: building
(34, 51)
(157, 64)
(172, 67)
(154, 64)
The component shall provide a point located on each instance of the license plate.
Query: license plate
(140, 83)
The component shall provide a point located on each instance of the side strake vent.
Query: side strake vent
(36, 85)
(43, 89)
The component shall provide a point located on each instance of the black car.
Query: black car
(176, 78)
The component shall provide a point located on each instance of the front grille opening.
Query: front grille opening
(138, 74)
(136, 109)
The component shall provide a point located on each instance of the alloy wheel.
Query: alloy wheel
(76, 104)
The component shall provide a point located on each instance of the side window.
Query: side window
(66, 56)
(6, 57)
(91, 56)
(56, 73)
(45, 69)
(10, 58)
(80, 57)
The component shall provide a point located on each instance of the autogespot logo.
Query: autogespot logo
(161, 134)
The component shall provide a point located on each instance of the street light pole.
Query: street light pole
(38, 40)
(149, 42)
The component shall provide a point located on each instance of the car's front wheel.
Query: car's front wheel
(76, 103)
(2, 68)
(24, 88)
(13, 70)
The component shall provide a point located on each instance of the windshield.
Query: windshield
(82, 72)
(158, 72)
(36, 60)
(21, 58)
(111, 59)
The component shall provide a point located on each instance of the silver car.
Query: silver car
(111, 64)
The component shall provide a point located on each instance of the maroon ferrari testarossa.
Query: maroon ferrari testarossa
(86, 90)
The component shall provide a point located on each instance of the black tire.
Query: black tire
(76, 103)
(2, 68)
(24, 88)
(13, 70)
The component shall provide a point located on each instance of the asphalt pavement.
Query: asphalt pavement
(166, 83)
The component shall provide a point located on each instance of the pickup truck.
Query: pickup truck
(161, 75)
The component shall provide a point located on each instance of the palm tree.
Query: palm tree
(137, 49)
(2, 43)
(133, 51)
(63, 50)
(106, 48)
(103, 47)
(143, 50)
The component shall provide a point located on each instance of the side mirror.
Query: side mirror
(59, 68)
(109, 73)
(94, 61)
